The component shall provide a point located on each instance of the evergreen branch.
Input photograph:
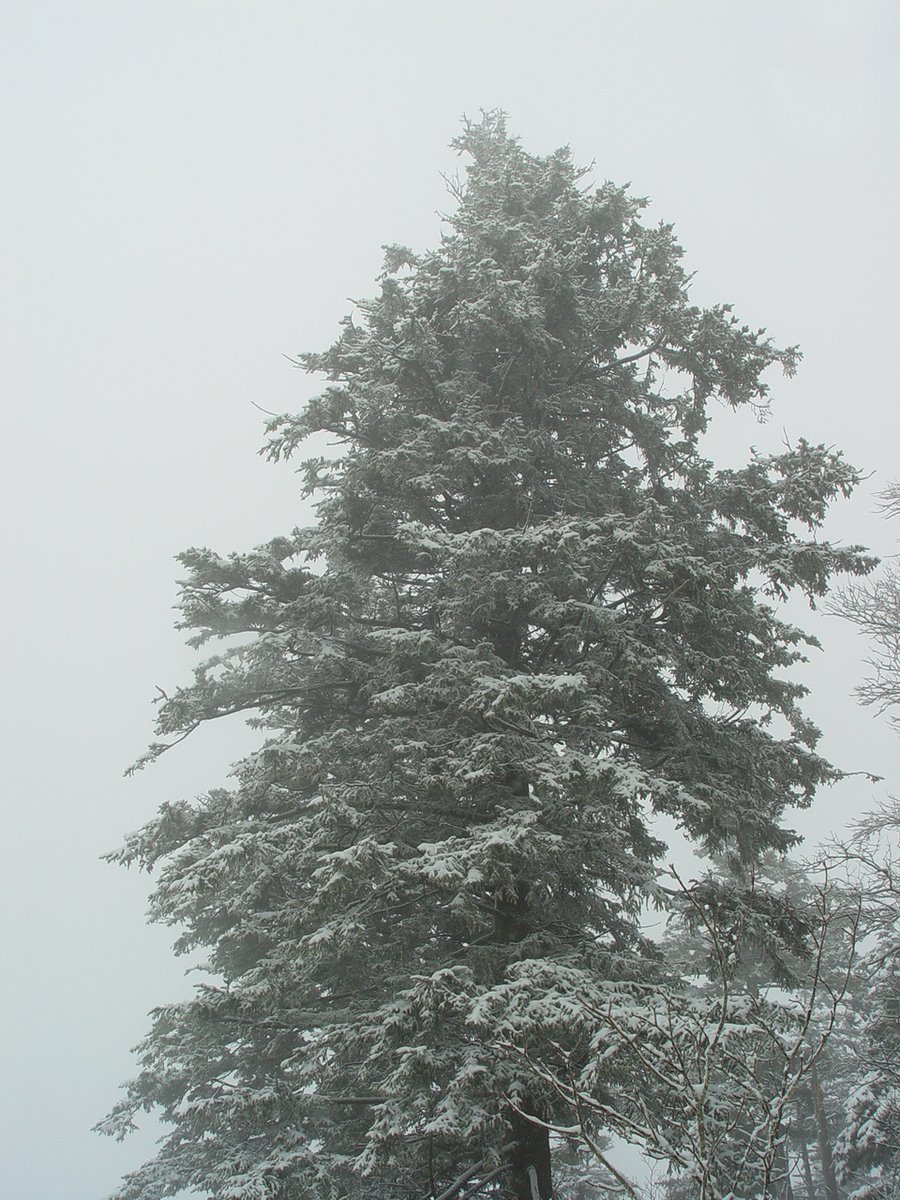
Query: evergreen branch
(482, 1183)
(467, 1175)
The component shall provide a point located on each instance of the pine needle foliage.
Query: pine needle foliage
(530, 615)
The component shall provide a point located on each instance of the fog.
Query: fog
(195, 190)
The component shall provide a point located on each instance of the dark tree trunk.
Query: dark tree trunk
(827, 1162)
(807, 1170)
(530, 1173)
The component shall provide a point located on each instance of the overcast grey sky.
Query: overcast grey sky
(193, 189)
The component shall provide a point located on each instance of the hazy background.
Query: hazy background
(193, 190)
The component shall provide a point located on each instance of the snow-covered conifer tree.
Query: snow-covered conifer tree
(531, 615)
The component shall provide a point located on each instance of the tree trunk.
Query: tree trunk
(828, 1176)
(530, 1173)
(807, 1170)
(787, 1189)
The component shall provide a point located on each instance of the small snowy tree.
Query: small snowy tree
(869, 1143)
(531, 615)
(874, 608)
(702, 1064)
(867, 1147)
